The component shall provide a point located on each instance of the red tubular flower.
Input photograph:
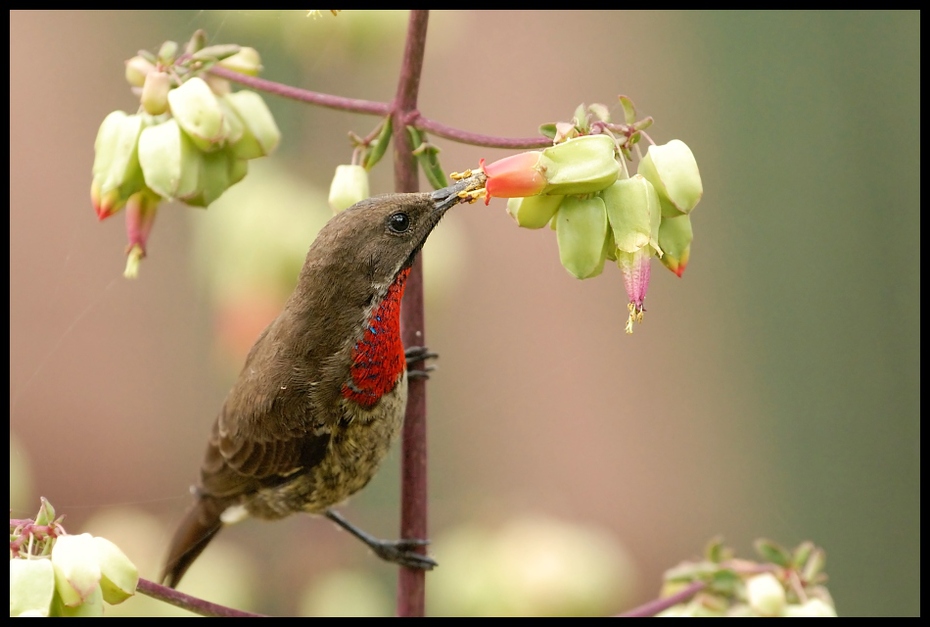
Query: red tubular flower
(515, 176)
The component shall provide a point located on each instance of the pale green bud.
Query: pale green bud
(675, 235)
(634, 213)
(673, 171)
(116, 169)
(77, 568)
(233, 126)
(137, 69)
(260, 134)
(155, 93)
(168, 52)
(105, 143)
(197, 111)
(246, 61)
(349, 186)
(170, 161)
(32, 586)
(533, 212)
(581, 165)
(118, 576)
(219, 171)
(92, 606)
(581, 228)
(46, 513)
(766, 595)
(238, 168)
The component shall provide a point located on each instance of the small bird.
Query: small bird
(324, 389)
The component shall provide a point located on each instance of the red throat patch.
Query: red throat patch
(378, 358)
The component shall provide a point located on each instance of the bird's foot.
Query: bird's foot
(400, 552)
(416, 354)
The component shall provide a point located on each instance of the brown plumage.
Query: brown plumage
(323, 390)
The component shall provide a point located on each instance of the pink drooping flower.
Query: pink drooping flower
(140, 217)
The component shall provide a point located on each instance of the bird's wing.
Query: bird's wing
(271, 425)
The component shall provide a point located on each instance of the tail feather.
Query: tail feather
(200, 524)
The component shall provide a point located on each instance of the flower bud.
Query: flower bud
(167, 53)
(580, 166)
(634, 213)
(216, 176)
(766, 595)
(92, 606)
(197, 111)
(260, 134)
(46, 513)
(77, 570)
(137, 68)
(675, 237)
(118, 575)
(32, 586)
(246, 61)
(533, 212)
(581, 227)
(155, 93)
(170, 161)
(349, 186)
(116, 169)
(673, 171)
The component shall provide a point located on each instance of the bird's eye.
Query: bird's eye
(399, 222)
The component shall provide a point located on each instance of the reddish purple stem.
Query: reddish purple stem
(406, 117)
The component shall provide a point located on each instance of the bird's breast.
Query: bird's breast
(378, 357)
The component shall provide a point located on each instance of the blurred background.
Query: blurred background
(773, 391)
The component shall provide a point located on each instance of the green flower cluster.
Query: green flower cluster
(582, 188)
(190, 140)
(785, 583)
(56, 574)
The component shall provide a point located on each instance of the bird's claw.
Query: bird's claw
(416, 354)
(403, 553)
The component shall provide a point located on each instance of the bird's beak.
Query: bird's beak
(448, 197)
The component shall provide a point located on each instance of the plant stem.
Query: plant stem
(186, 601)
(476, 139)
(411, 583)
(370, 107)
(654, 607)
(355, 105)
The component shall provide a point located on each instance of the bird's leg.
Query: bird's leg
(416, 354)
(401, 552)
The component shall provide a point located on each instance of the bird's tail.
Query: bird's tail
(200, 524)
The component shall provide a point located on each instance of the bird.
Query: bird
(323, 390)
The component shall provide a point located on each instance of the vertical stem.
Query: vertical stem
(411, 584)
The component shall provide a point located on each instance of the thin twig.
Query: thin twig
(657, 605)
(186, 601)
(476, 139)
(369, 107)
